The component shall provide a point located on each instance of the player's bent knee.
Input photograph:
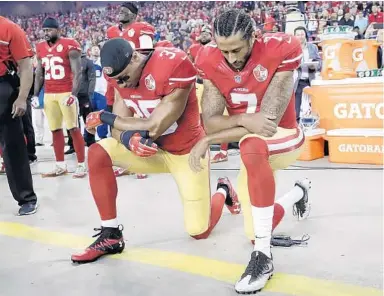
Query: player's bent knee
(98, 157)
(253, 145)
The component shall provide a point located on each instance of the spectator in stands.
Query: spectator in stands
(306, 72)
(361, 22)
(376, 16)
(346, 20)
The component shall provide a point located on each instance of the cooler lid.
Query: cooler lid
(349, 81)
(357, 132)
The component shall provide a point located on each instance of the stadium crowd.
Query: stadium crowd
(181, 22)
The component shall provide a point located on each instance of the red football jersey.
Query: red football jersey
(56, 64)
(194, 49)
(166, 70)
(164, 43)
(244, 90)
(132, 33)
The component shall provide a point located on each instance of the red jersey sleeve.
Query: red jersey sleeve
(73, 45)
(19, 45)
(146, 29)
(291, 54)
(182, 75)
(204, 63)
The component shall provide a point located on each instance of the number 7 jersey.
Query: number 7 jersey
(244, 90)
(56, 64)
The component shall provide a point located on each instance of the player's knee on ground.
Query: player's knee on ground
(196, 218)
(98, 158)
(251, 149)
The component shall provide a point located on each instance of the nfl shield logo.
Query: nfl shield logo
(150, 82)
(237, 78)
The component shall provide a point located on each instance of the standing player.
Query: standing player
(160, 89)
(99, 102)
(254, 80)
(140, 36)
(59, 68)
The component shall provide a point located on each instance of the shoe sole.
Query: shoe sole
(253, 292)
(95, 259)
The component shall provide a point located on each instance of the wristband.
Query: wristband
(108, 118)
(125, 137)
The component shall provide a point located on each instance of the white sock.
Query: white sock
(110, 223)
(222, 191)
(82, 164)
(293, 196)
(262, 225)
(61, 164)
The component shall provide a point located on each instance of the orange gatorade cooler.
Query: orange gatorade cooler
(337, 59)
(364, 55)
(357, 146)
(348, 103)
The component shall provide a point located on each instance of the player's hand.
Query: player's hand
(198, 152)
(93, 121)
(260, 124)
(142, 147)
(19, 108)
(35, 102)
(70, 100)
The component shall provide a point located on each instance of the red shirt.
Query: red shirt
(132, 33)
(378, 18)
(244, 91)
(56, 64)
(167, 69)
(14, 45)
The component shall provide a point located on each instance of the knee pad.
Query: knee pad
(253, 146)
(98, 157)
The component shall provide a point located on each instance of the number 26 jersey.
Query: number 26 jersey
(56, 64)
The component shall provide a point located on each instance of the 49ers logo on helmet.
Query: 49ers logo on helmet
(108, 70)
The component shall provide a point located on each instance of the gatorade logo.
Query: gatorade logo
(359, 111)
(360, 148)
(358, 55)
(330, 52)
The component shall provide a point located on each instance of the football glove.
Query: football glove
(139, 143)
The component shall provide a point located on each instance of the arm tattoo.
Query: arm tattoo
(278, 95)
(212, 102)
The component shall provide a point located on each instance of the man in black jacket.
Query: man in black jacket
(87, 88)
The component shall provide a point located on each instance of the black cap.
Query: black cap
(115, 56)
(132, 6)
(50, 23)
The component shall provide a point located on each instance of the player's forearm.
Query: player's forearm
(217, 123)
(39, 79)
(227, 136)
(26, 77)
(132, 124)
(76, 83)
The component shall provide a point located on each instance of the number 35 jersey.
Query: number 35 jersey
(245, 90)
(56, 64)
(166, 70)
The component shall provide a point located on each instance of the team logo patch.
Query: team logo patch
(150, 82)
(131, 32)
(237, 78)
(260, 73)
(59, 48)
(108, 70)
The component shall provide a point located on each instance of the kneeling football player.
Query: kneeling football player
(160, 89)
(253, 78)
